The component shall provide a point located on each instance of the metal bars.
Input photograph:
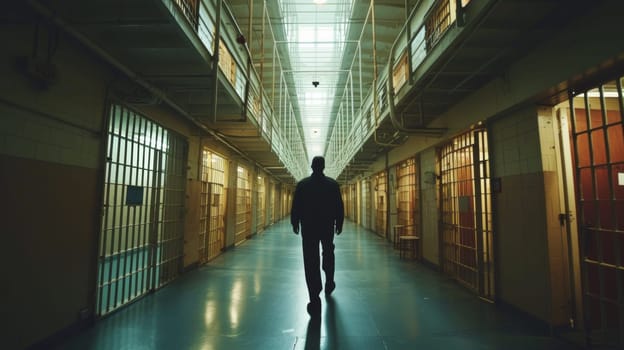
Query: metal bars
(465, 205)
(140, 240)
(438, 23)
(212, 206)
(598, 138)
(243, 205)
(349, 198)
(190, 10)
(366, 199)
(218, 31)
(381, 205)
(171, 229)
(408, 203)
(260, 205)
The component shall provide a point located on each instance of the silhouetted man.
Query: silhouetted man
(317, 206)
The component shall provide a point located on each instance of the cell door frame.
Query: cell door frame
(260, 204)
(381, 207)
(484, 237)
(594, 257)
(147, 185)
(568, 216)
(214, 198)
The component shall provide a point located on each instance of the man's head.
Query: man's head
(318, 164)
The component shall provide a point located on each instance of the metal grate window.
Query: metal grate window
(190, 10)
(142, 228)
(348, 197)
(260, 205)
(366, 200)
(438, 22)
(598, 138)
(408, 204)
(354, 202)
(381, 205)
(272, 203)
(212, 206)
(466, 212)
(243, 205)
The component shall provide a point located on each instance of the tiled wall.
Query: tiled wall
(29, 135)
(430, 240)
(519, 213)
(51, 165)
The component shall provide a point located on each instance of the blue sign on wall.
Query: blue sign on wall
(134, 195)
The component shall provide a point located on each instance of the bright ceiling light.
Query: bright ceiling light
(315, 45)
(607, 94)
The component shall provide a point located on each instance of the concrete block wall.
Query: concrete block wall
(429, 207)
(51, 178)
(519, 213)
(32, 135)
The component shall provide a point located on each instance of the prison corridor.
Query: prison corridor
(254, 297)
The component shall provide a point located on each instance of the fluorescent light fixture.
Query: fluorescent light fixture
(595, 93)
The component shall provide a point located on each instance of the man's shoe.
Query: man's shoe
(329, 287)
(314, 308)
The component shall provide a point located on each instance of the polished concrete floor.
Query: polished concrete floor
(254, 297)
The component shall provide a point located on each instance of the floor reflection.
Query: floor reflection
(331, 311)
(313, 333)
(254, 297)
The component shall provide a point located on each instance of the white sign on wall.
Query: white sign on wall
(621, 179)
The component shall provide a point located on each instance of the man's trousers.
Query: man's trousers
(311, 260)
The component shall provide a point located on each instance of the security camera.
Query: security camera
(315, 83)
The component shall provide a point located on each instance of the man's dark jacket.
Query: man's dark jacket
(317, 205)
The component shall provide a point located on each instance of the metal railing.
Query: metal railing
(421, 33)
(356, 121)
(235, 65)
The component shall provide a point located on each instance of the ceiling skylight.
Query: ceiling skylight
(316, 32)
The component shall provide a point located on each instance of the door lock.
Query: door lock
(563, 218)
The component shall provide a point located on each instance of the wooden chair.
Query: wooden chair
(408, 241)
(397, 231)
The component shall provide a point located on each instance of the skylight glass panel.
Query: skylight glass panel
(316, 32)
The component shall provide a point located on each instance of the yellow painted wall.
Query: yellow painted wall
(520, 213)
(51, 175)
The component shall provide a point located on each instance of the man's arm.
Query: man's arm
(295, 210)
(339, 211)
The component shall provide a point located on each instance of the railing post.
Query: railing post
(215, 63)
(459, 13)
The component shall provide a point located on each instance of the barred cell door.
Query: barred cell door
(140, 247)
(408, 203)
(212, 206)
(465, 201)
(353, 200)
(271, 208)
(243, 205)
(260, 205)
(215, 219)
(381, 203)
(366, 203)
(344, 194)
(598, 139)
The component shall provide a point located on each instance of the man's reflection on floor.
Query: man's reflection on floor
(313, 334)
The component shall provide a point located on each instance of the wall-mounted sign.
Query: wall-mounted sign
(134, 195)
(497, 185)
